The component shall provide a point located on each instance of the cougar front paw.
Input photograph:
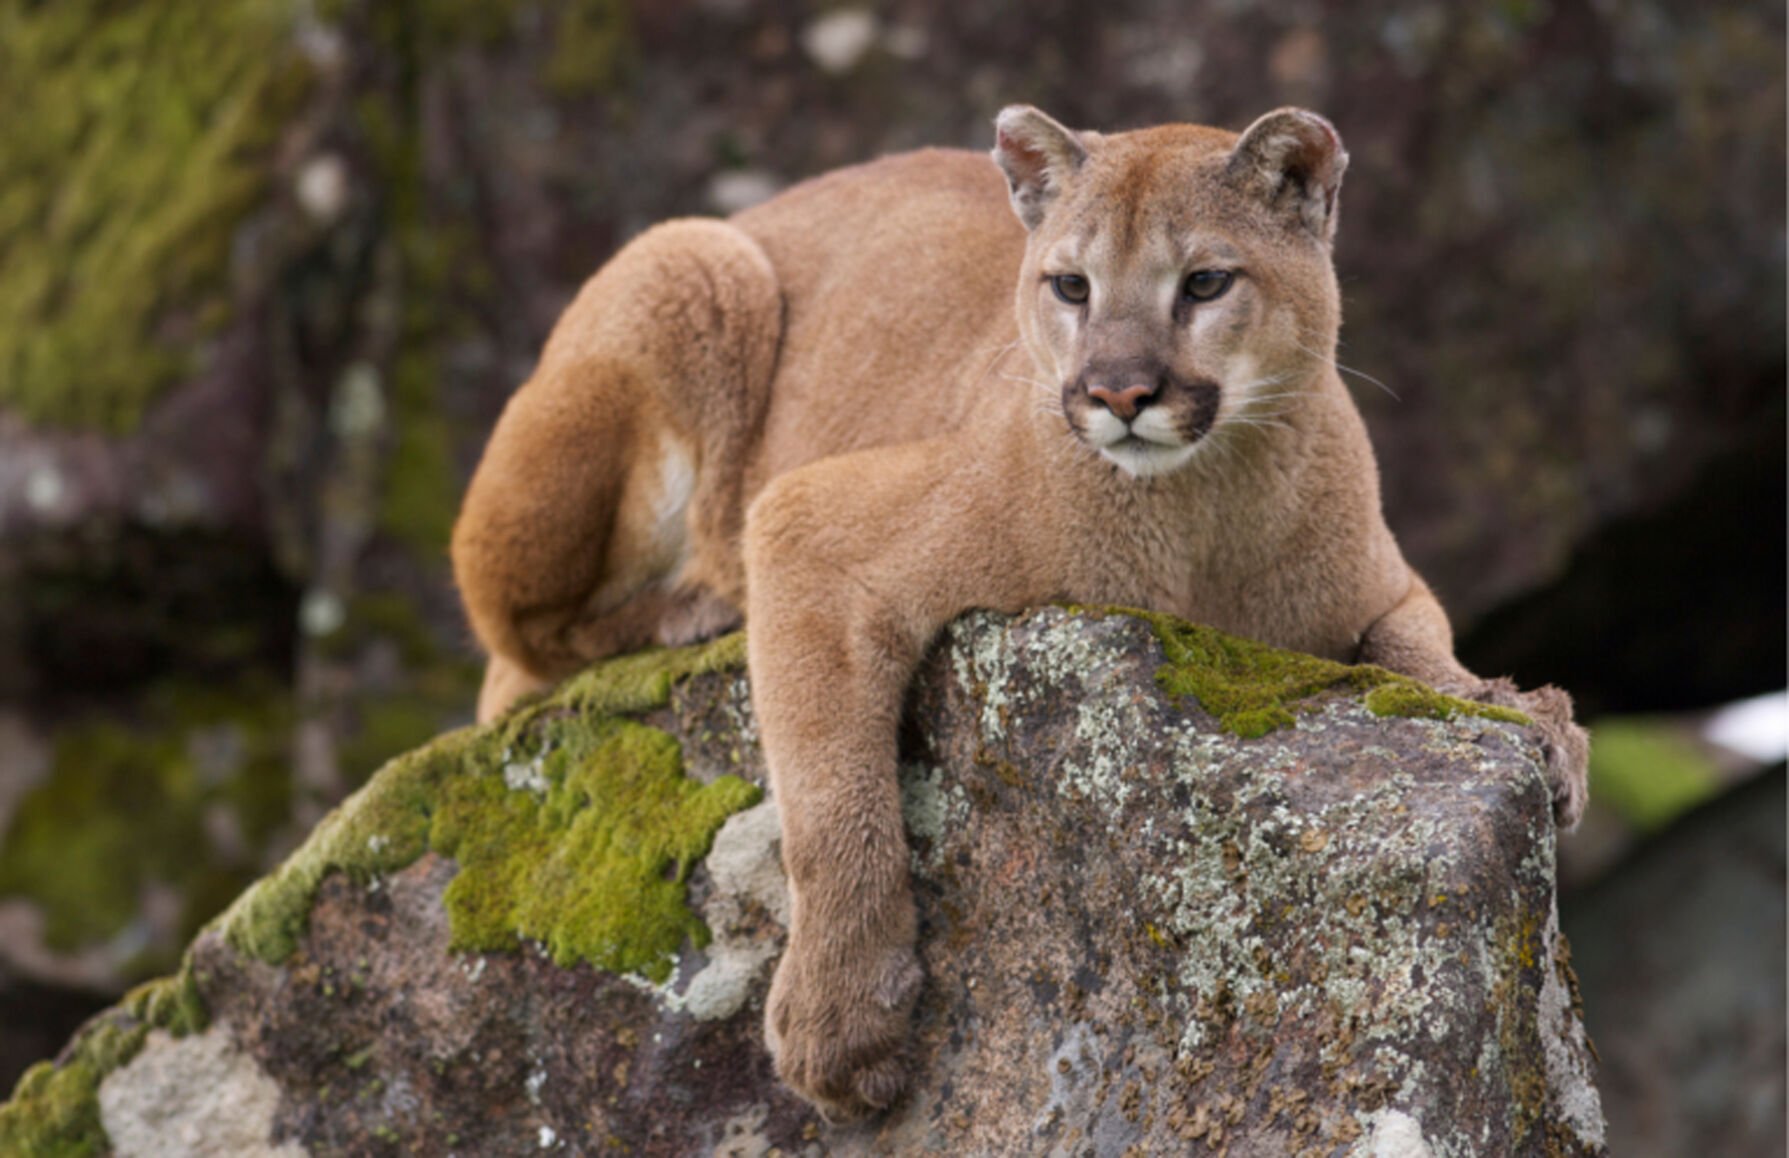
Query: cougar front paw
(839, 1034)
(1565, 745)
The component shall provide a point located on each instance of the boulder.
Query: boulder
(1179, 893)
(1681, 947)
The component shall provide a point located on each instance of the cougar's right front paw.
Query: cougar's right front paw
(838, 1032)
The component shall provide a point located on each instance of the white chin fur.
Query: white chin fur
(1150, 446)
(1147, 459)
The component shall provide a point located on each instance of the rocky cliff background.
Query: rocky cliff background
(268, 269)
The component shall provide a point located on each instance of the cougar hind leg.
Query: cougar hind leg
(604, 515)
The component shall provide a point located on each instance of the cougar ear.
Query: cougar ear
(1293, 160)
(1039, 157)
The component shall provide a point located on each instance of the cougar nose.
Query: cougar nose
(1123, 398)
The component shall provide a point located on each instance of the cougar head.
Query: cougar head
(1177, 280)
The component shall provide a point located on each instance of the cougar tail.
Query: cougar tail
(609, 493)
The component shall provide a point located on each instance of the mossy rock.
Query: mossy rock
(1253, 689)
(572, 825)
(54, 1111)
(527, 884)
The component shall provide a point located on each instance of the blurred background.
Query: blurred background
(269, 269)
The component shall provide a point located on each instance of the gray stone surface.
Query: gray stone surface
(198, 1096)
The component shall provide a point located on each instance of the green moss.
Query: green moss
(592, 39)
(643, 681)
(441, 24)
(54, 1110)
(134, 145)
(171, 1003)
(594, 868)
(416, 502)
(447, 281)
(1517, 959)
(1406, 697)
(125, 805)
(1648, 770)
(1252, 688)
(591, 49)
(587, 851)
(445, 276)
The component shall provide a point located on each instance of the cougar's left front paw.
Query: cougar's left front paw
(1565, 744)
(838, 1031)
(1568, 752)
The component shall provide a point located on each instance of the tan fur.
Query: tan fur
(915, 438)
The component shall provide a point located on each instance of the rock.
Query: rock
(198, 1095)
(1681, 949)
(1141, 929)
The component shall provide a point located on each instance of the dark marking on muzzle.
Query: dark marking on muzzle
(1202, 398)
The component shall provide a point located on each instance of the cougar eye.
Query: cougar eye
(1071, 288)
(1206, 284)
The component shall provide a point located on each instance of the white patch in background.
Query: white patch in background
(321, 612)
(740, 189)
(840, 39)
(1758, 727)
(322, 188)
(44, 488)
